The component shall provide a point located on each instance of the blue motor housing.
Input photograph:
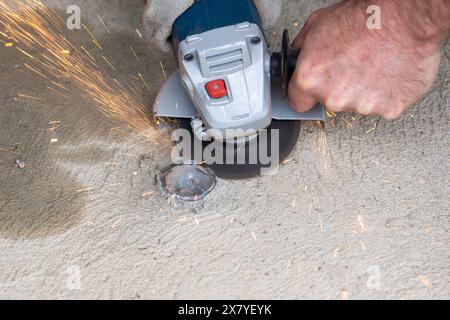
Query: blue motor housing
(206, 15)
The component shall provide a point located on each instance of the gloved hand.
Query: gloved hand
(159, 16)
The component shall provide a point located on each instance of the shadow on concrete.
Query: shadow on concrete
(37, 204)
(43, 199)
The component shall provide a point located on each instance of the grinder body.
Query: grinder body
(228, 85)
(231, 79)
(207, 15)
(224, 64)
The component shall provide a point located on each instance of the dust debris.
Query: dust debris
(361, 223)
(323, 142)
(424, 280)
(336, 251)
(6, 151)
(84, 190)
(139, 33)
(116, 224)
(148, 194)
(112, 164)
(345, 295)
(349, 125)
(330, 114)
(140, 263)
(371, 130)
(53, 127)
(114, 185)
(54, 140)
(20, 163)
(363, 246)
(253, 236)
(332, 118)
(172, 201)
(429, 230)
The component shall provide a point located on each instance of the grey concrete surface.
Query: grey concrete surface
(360, 211)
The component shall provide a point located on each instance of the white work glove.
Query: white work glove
(159, 16)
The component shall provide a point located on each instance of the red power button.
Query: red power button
(216, 89)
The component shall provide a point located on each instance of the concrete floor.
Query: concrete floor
(366, 218)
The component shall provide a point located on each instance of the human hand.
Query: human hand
(349, 67)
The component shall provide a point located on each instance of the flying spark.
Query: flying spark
(135, 55)
(39, 32)
(139, 33)
(103, 23)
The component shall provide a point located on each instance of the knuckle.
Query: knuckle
(335, 108)
(307, 78)
(335, 103)
(365, 110)
(392, 113)
(313, 16)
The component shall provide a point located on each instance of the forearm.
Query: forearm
(427, 21)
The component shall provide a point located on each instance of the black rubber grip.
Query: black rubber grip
(283, 63)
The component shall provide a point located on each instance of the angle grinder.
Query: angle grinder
(229, 89)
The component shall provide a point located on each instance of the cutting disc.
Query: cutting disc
(288, 134)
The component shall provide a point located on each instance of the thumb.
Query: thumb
(299, 97)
